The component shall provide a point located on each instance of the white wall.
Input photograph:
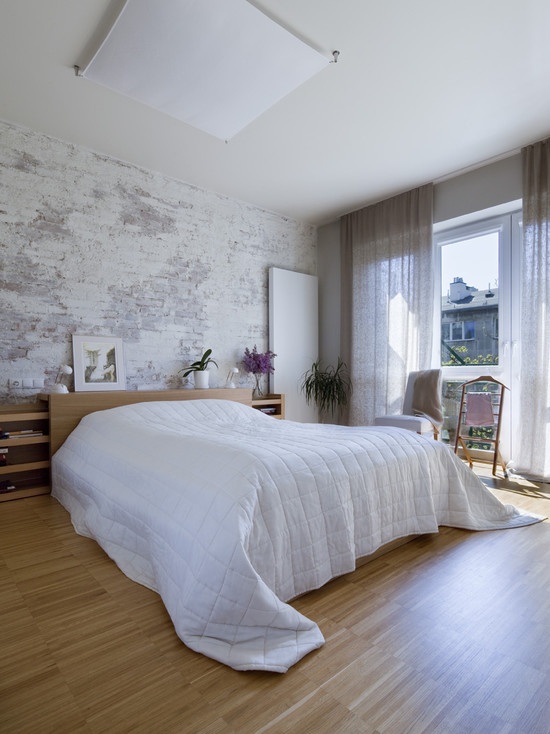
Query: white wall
(328, 248)
(90, 245)
(480, 189)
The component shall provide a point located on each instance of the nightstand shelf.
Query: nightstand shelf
(273, 405)
(28, 457)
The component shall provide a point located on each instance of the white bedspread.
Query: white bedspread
(229, 513)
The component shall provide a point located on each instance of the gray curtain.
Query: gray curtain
(387, 300)
(534, 445)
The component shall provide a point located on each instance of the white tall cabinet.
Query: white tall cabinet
(294, 337)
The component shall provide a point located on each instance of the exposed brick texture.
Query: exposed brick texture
(91, 245)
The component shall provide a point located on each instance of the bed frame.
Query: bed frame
(67, 409)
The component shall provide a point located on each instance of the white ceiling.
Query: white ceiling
(421, 90)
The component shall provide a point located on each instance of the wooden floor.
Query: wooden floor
(449, 634)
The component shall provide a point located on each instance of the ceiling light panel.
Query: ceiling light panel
(214, 64)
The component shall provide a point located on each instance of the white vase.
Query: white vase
(201, 379)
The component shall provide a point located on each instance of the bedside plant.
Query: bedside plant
(200, 370)
(328, 388)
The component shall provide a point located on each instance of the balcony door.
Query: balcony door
(477, 312)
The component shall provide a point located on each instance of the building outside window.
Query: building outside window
(469, 325)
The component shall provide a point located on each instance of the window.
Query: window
(468, 309)
(476, 323)
(453, 331)
(469, 330)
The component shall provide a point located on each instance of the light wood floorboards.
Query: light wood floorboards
(449, 634)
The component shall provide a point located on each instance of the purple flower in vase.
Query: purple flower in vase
(258, 364)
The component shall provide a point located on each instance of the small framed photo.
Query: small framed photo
(98, 363)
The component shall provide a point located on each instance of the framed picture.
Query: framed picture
(98, 363)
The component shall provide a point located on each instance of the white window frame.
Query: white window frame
(503, 225)
(507, 220)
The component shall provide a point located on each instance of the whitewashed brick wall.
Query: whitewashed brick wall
(90, 245)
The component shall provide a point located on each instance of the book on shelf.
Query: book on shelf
(28, 433)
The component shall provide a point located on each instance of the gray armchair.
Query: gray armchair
(422, 410)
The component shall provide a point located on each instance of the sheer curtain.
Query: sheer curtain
(534, 448)
(387, 300)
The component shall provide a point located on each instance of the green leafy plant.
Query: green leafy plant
(200, 365)
(328, 388)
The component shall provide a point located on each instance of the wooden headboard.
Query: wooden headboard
(67, 409)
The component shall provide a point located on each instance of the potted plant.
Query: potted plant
(328, 388)
(201, 376)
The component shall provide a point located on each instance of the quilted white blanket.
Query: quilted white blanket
(228, 513)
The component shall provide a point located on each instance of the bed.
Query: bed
(229, 514)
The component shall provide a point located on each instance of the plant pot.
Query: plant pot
(201, 379)
(58, 388)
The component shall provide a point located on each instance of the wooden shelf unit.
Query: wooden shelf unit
(273, 405)
(28, 467)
